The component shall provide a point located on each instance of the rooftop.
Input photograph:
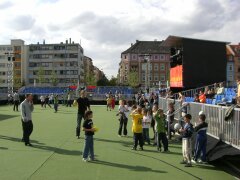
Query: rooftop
(147, 47)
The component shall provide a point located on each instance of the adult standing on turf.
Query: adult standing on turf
(83, 105)
(26, 114)
(16, 101)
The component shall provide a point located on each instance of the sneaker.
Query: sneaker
(188, 165)
(141, 148)
(193, 161)
(159, 149)
(202, 162)
(85, 160)
(119, 136)
(183, 162)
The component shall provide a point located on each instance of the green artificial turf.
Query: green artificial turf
(57, 152)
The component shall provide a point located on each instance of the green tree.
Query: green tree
(133, 79)
(103, 81)
(54, 79)
(41, 75)
(113, 81)
(90, 79)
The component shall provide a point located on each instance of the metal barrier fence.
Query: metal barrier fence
(227, 131)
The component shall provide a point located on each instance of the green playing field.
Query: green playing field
(57, 153)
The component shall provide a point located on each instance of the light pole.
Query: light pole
(147, 73)
(11, 59)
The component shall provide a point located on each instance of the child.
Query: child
(187, 132)
(113, 103)
(146, 125)
(201, 140)
(160, 121)
(55, 101)
(89, 132)
(109, 102)
(137, 127)
(123, 119)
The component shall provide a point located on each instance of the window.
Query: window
(162, 77)
(162, 67)
(125, 57)
(162, 57)
(143, 77)
(17, 64)
(155, 67)
(31, 81)
(134, 57)
(17, 48)
(32, 64)
(156, 77)
(150, 77)
(2, 65)
(143, 67)
(17, 56)
(155, 57)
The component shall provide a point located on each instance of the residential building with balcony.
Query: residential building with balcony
(59, 64)
(12, 64)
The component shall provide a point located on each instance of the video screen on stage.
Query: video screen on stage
(176, 77)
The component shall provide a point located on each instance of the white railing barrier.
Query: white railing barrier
(227, 131)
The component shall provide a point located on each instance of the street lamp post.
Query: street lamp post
(147, 73)
(11, 59)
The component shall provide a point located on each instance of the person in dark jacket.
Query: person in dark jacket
(201, 140)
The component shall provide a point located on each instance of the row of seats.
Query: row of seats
(106, 90)
(42, 90)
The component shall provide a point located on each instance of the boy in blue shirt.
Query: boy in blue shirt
(201, 139)
(187, 132)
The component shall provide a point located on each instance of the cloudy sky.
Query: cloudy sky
(108, 27)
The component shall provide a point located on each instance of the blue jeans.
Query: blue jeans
(88, 147)
(79, 120)
(146, 135)
(200, 148)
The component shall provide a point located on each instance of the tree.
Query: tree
(103, 81)
(133, 79)
(41, 75)
(54, 79)
(113, 81)
(90, 79)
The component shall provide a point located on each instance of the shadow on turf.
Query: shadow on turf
(17, 139)
(125, 166)
(58, 150)
(5, 117)
(124, 143)
(3, 148)
(38, 145)
(163, 162)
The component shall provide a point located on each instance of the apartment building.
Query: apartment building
(59, 64)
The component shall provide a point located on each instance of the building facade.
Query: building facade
(149, 60)
(55, 64)
(236, 59)
(12, 65)
(230, 66)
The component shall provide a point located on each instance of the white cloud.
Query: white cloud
(107, 27)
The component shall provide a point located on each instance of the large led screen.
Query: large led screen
(176, 77)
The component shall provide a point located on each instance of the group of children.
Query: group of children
(141, 123)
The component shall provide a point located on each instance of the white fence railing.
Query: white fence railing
(227, 131)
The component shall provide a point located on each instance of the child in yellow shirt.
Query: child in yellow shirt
(137, 128)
